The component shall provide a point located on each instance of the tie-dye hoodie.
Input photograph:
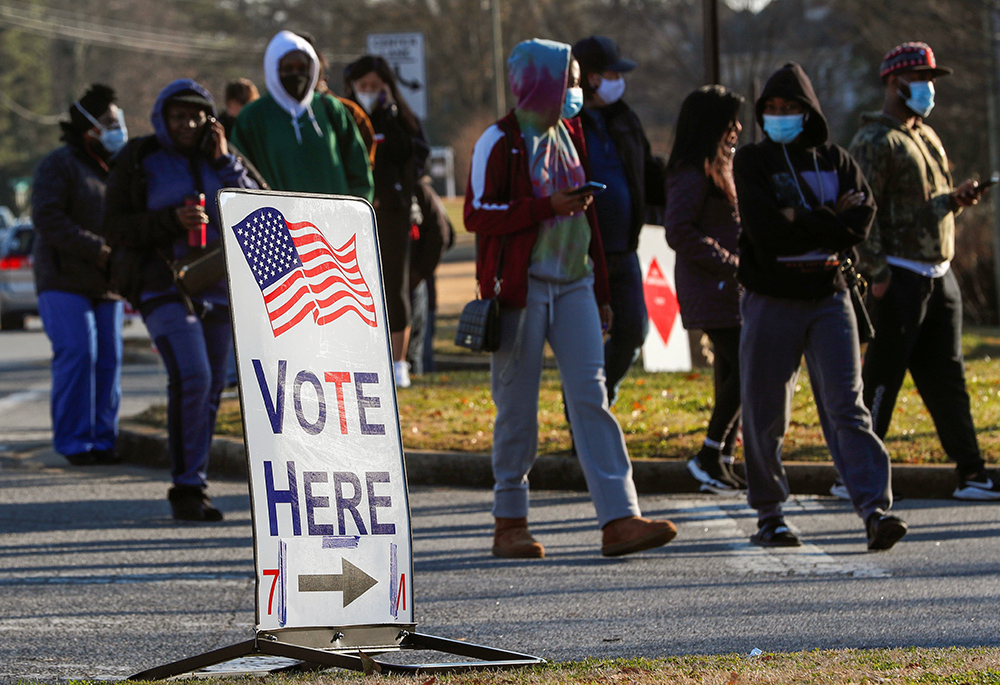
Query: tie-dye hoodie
(506, 202)
(538, 74)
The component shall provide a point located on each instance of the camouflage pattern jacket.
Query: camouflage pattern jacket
(907, 170)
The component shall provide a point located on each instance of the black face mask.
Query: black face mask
(296, 85)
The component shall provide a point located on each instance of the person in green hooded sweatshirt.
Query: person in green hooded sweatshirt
(539, 252)
(298, 139)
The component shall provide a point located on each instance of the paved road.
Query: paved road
(99, 582)
(26, 381)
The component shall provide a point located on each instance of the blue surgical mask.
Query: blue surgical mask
(112, 139)
(783, 129)
(573, 103)
(921, 100)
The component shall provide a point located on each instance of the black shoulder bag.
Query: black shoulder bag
(479, 323)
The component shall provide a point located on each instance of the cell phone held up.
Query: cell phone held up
(207, 143)
(988, 183)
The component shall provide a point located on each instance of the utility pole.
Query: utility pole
(498, 71)
(710, 38)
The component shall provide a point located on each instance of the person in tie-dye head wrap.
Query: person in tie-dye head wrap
(539, 252)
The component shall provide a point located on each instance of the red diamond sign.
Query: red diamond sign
(661, 302)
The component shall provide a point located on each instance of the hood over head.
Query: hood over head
(283, 43)
(538, 71)
(184, 90)
(791, 83)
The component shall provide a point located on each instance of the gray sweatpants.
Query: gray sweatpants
(776, 333)
(566, 315)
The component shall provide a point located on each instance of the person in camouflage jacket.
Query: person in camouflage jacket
(915, 296)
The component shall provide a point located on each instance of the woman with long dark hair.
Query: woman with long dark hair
(399, 160)
(703, 227)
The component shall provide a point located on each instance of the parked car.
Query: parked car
(17, 282)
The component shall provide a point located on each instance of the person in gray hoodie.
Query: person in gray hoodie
(804, 206)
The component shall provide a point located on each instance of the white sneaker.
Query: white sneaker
(981, 487)
(839, 490)
(401, 372)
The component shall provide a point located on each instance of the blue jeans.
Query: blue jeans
(86, 369)
(629, 324)
(194, 350)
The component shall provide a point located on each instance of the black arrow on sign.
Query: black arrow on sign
(352, 581)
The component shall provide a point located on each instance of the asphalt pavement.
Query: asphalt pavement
(99, 582)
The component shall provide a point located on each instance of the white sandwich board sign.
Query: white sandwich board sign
(331, 519)
(327, 481)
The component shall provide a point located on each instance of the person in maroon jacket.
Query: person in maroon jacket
(540, 253)
(703, 228)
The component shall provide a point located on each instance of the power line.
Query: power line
(118, 35)
(54, 23)
(25, 113)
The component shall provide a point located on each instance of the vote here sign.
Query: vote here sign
(327, 481)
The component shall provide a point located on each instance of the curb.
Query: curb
(147, 446)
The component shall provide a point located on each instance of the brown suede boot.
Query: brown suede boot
(511, 540)
(634, 534)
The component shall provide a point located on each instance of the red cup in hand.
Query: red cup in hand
(197, 237)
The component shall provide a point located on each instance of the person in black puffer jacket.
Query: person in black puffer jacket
(81, 314)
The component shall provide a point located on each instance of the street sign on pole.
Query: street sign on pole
(405, 54)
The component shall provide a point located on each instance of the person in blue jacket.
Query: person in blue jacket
(149, 222)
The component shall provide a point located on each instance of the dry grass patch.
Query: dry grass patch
(663, 415)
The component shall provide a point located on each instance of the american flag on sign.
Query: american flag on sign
(299, 274)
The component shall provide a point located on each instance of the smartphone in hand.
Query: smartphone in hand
(589, 188)
(993, 180)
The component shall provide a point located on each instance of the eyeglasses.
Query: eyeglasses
(180, 119)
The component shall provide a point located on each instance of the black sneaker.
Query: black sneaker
(729, 466)
(980, 487)
(774, 532)
(106, 456)
(712, 476)
(192, 504)
(81, 459)
(884, 531)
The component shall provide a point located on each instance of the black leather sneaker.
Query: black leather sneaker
(884, 531)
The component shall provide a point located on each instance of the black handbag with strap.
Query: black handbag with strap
(479, 322)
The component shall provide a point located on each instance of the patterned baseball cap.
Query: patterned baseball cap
(914, 56)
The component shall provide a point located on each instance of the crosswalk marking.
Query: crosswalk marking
(718, 521)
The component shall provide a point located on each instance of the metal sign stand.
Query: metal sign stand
(348, 655)
(325, 456)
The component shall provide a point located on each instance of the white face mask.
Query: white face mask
(367, 100)
(114, 138)
(611, 91)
